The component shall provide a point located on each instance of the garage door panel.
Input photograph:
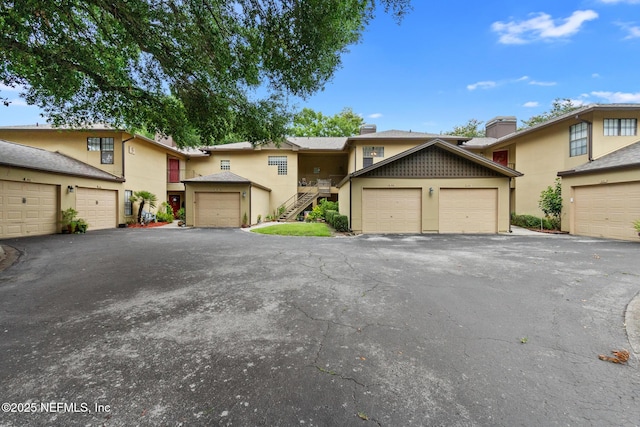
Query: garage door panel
(27, 209)
(217, 209)
(468, 210)
(392, 210)
(606, 210)
(97, 207)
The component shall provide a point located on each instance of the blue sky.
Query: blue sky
(448, 62)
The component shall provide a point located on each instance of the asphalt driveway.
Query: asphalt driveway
(222, 327)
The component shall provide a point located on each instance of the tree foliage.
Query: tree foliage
(471, 129)
(313, 123)
(193, 69)
(144, 197)
(559, 107)
(551, 202)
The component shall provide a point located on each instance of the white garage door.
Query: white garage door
(392, 210)
(27, 209)
(607, 210)
(97, 207)
(468, 210)
(217, 210)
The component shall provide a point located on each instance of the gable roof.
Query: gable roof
(336, 143)
(23, 156)
(402, 134)
(572, 114)
(225, 177)
(187, 152)
(459, 152)
(625, 158)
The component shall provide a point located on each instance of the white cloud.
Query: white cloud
(537, 83)
(522, 79)
(531, 104)
(595, 75)
(541, 27)
(482, 85)
(633, 31)
(18, 102)
(618, 97)
(375, 115)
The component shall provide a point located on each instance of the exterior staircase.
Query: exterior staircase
(296, 204)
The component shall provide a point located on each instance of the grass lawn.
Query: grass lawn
(316, 229)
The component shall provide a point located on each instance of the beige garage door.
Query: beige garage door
(217, 210)
(468, 210)
(607, 210)
(97, 207)
(391, 210)
(27, 209)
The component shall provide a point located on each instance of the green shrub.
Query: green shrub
(329, 215)
(319, 210)
(340, 222)
(181, 214)
(530, 221)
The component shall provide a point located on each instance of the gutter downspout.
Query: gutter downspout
(350, 204)
(123, 152)
(589, 137)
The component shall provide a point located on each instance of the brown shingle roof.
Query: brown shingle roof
(22, 156)
(625, 158)
(225, 177)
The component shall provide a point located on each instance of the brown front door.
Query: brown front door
(174, 201)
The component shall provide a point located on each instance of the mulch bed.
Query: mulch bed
(149, 225)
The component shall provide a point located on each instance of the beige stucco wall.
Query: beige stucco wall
(540, 155)
(192, 188)
(430, 204)
(569, 183)
(253, 165)
(72, 144)
(145, 163)
(65, 199)
(344, 200)
(260, 199)
(145, 170)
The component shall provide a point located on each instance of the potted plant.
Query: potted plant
(636, 225)
(245, 221)
(69, 220)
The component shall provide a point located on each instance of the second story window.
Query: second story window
(225, 165)
(104, 145)
(620, 127)
(578, 139)
(128, 205)
(368, 153)
(281, 162)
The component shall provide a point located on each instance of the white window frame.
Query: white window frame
(578, 138)
(620, 127)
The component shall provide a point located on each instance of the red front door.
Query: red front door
(174, 201)
(501, 157)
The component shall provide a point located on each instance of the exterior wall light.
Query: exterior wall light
(70, 189)
(244, 194)
(430, 190)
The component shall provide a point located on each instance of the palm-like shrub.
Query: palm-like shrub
(144, 197)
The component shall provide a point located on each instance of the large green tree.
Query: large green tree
(471, 129)
(309, 122)
(199, 70)
(559, 107)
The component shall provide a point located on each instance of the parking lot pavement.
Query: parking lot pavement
(222, 327)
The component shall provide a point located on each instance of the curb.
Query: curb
(632, 324)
